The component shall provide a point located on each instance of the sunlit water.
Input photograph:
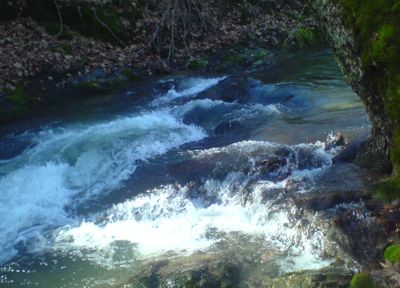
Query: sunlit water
(85, 201)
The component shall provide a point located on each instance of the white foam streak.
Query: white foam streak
(191, 87)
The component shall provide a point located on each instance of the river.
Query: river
(182, 168)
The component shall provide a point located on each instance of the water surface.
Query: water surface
(177, 166)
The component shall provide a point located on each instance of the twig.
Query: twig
(78, 7)
(108, 28)
(172, 40)
(59, 17)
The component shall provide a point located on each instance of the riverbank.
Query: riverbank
(90, 42)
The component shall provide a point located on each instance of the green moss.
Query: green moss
(20, 103)
(362, 280)
(306, 37)
(383, 39)
(376, 24)
(392, 254)
(197, 64)
(103, 87)
(247, 57)
(132, 74)
(93, 88)
(67, 48)
(389, 189)
(18, 96)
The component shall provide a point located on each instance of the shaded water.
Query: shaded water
(178, 166)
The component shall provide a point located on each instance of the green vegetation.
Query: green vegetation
(362, 280)
(197, 63)
(19, 97)
(130, 74)
(107, 86)
(392, 254)
(376, 24)
(103, 22)
(20, 102)
(389, 189)
(306, 37)
(67, 48)
(94, 88)
(246, 57)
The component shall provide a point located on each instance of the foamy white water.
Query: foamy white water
(76, 213)
(189, 88)
(166, 219)
(88, 159)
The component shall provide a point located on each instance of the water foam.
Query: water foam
(188, 88)
(169, 219)
(231, 111)
(87, 160)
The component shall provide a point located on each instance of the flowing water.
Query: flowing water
(176, 167)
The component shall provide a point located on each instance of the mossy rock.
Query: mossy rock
(93, 88)
(245, 58)
(131, 74)
(19, 98)
(362, 280)
(16, 103)
(376, 25)
(105, 86)
(392, 254)
(389, 189)
(197, 64)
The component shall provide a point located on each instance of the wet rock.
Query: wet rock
(349, 152)
(312, 279)
(232, 89)
(359, 235)
(392, 220)
(236, 261)
(273, 164)
(317, 201)
(272, 194)
(307, 159)
(337, 141)
(205, 275)
(244, 59)
(352, 179)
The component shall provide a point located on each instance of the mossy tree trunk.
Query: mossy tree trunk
(364, 35)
